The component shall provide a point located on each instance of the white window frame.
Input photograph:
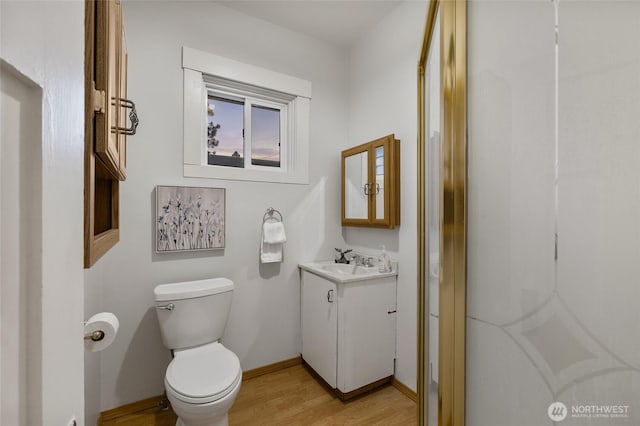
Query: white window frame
(206, 73)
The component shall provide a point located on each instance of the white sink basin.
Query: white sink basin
(344, 273)
(343, 268)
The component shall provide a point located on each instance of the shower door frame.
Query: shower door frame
(452, 188)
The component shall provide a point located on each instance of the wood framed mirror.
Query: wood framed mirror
(371, 184)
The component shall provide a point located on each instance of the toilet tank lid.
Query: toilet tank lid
(192, 289)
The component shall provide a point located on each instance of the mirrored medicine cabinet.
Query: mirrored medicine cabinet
(371, 184)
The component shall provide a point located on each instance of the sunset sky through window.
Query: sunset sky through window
(265, 128)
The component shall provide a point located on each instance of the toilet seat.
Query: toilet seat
(203, 374)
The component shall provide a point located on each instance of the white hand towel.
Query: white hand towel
(270, 253)
(273, 233)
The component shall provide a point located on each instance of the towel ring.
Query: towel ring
(270, 215)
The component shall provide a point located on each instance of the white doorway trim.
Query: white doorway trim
(20, 248)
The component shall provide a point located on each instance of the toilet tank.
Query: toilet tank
(199, 314)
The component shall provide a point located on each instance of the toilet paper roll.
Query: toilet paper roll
(105, 322)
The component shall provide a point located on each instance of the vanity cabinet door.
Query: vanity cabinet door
(371, 184)
(320, 326)
(366, 332)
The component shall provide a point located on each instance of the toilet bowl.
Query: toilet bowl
(203, 379)
(202, 384)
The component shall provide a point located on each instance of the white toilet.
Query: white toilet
(203, 379)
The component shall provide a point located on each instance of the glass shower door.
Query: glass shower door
(553, 237)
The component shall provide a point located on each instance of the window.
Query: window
(244, 132)
(243, 122)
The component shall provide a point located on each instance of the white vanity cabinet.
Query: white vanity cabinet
(320, 326)
(349, 330)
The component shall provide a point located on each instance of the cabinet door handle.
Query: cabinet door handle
(133, 116)
(366, 188)
(330, 296)
(377, 188)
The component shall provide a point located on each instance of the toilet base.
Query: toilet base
(214, 413)
(197, 411)
(221, 421)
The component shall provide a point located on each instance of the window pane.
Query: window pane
(225, 132)
(380, 161)
(379, 189)
(265, 136)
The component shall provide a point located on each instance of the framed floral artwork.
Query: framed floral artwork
(189, 218)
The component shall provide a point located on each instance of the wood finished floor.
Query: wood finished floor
(293, 397)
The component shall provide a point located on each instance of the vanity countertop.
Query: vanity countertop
(343, 273)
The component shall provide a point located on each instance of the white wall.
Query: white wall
(45, 42)
(92, 360)
(264, 325)
(383, 100)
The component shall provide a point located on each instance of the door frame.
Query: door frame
(22, 292)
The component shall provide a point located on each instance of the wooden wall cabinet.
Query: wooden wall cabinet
(106, 128)
(371, 184)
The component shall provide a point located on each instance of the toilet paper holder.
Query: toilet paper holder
(96, 336)
(100, 331)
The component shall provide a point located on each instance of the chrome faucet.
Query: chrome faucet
(362, 260)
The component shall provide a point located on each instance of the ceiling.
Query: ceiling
(337, 22)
